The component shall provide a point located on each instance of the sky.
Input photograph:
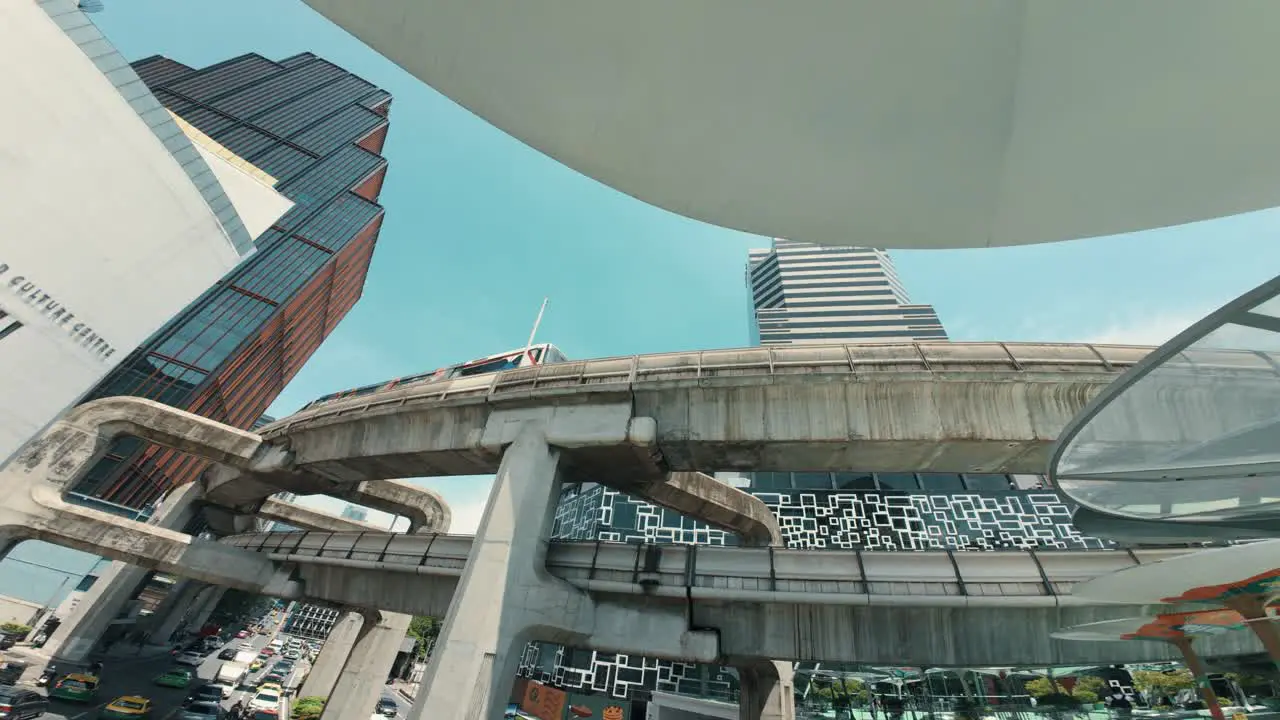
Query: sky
(479, 228)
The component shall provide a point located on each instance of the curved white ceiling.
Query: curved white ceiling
(902, 123)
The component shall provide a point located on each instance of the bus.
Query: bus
(543, 354)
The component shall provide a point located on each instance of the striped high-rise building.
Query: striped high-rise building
(802, 293)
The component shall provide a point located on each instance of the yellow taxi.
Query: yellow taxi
(127, 707)
(271, 687)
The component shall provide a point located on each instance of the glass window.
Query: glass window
(624, 514)
(988, 483)
(941, 482)
(812, 481)
(855, 481)
(771, 481)
(897, 481)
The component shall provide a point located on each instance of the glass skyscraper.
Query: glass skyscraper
(318, 131)
(803, 293)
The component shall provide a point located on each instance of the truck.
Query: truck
(232, 673)
(236, 671)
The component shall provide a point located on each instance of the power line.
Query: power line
(48, 567)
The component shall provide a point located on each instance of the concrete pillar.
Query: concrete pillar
(78, 634)
(505, 596)
(177, 607)
(333, 656)
(207, 604)
(767, 691)
(367, 667)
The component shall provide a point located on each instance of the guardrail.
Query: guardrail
(734, 573)
(634, 372)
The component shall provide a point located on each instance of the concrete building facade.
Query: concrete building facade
(101, 183)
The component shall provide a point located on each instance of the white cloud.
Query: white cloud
(1153, 329)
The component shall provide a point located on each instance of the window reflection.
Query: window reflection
(855, 481)
(812, 481)
(941, 482)
(897, 481)
(988, 483)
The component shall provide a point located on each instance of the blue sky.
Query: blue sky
(479, 228)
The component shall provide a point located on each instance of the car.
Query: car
(387, 706)
(75, 687)
(204, 693)
(265, 714)
(7, 641)
(256, 665)
(291, 655)
(203, 711)
(273, 687)
(273, 678)
(20, 704)
(268, 651)
(245, 647)
(227, 689)
(242, 634)
(265, 700)
(228, 654)
(191, 659)
(127, 707)
(175, 678)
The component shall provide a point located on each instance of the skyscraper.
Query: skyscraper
(317, 131)
(804, 293)
(356, 513)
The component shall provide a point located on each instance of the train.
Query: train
(541, 354)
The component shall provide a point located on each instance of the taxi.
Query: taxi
(127, 707)
(76, 687)
(271, 687)
(175, 678)
(257, 664)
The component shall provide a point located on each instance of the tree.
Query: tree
(425, 630)
(839, 692)
(13, 628)
(1155, 684)
(308, 708)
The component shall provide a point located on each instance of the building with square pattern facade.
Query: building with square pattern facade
(873, 512)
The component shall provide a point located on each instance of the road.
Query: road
(125, 676)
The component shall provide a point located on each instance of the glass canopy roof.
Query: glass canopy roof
(1193, 430)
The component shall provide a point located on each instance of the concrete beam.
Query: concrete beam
(308, 519)
(701, 496)
(935, 636)
(36, 478)
(958, 408)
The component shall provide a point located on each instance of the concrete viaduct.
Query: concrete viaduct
(645, 425)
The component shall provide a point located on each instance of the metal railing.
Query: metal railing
(730, 573)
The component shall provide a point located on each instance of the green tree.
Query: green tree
(839, 692)
(1155, 684)
(13, 628)
(308, 708)
(425, 630)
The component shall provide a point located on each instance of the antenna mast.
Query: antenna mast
(536, 323)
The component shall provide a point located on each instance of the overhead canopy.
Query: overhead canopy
(904, 124)
(1191, 433)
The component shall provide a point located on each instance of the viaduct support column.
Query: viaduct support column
(177, 606)
(505, 596)
(333, 655)
(767, 691)
(78, 634)
(368, 665)
(208, 603)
